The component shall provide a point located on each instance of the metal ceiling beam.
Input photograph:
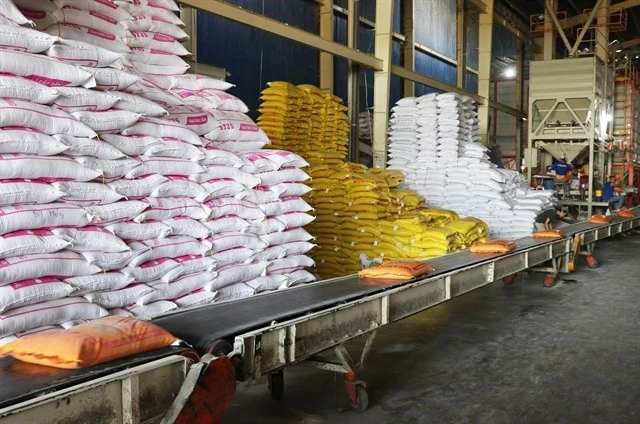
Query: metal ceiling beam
(237, 14)
(625, 45)
(479, 5)
(582, 18)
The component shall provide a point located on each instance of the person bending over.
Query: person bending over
(548, 218)
(562, 170)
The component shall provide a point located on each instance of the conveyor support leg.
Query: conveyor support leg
(276, 384)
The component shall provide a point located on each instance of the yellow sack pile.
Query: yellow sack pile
(439, 217)
(305, 120)
(469, 231)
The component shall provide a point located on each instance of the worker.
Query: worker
(611, 196)
(563, 170)
(584, 179)
(550, 217)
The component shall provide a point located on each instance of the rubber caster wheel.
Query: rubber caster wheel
(362, 400)
(549, 281)
(509, 279)
(276, 386)
(592, 262)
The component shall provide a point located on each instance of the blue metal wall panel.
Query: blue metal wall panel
(298, 13)
(472, 83)
(435, 25)
(472, 43)
(435, 68)
(253, 57)
(503, 43)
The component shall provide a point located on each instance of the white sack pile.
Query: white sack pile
(434, 140)
(128, 187)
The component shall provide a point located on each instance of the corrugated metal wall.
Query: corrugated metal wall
(253, 57)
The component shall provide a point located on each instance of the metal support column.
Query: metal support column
(326, 32)
(353, 80)
(409, 44)
(484, 68)
(461, 44)
(602, 31)
(519, 101)
(382, 80)
(549, 49)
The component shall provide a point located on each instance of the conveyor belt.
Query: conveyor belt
(202, 326)
(21, 381)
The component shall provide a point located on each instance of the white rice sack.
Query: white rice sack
(238, 146)
(112, 261)
(233, 292)
(192, 264)
(104, 24)
(80, 53)
(183, 226)
(73, 99)
(196, 298)
(227, 224)
(271, 160)
(236, 126)
(94, 36)
(267, 282)
(45, 119)
(197, 120)
(30, 242)
(91, 238)
(169, 247)
(180, 187)
(290, 264)
(225, 241)
(218, 157)
(105, 7)
(215, 173)
(139, 231)
(119, 312)
(196, 82)
(139, 188)
(86, 194)
(133, 145)
(45, 70)
(164, 166)
(222, 188)
(271, 253)
(266, 226)
(300, 277)
(53, 312)
(229, 206)
(297, 247)
(159, 70)
(61, 264)
(108, 168)
(30, 143)
(157, 41)
(82, 146)
(30, 217)
(110, 79)
(23, 293)
(99, 282)
(164, 270)
(160, 128)
(28, 192)
(240, 255)
(286, 205)
(116, 212)
(119, 298)
(178, 288)
(11, 12)
(18, 88)
(151, 310)
(161, 209)
(138, 104)
(289, 236)
(108, 121)
(236, 273)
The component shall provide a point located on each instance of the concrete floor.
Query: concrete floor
(500, 354)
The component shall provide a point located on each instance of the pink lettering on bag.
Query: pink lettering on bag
(162, 52)
(30, 283)
(197, 120)
(109, 3)
(51, 82)
(249, 127)
(163, 37)
(101, 34)
(104, 17)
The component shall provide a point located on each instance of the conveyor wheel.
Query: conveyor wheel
(276, 385)
(592, 262)
(362, 399)
(220, 348)
(549, 280)
(510, 279)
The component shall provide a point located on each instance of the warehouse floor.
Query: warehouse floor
(501, 354)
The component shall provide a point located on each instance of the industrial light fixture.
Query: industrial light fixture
(510, 72)
(618, 50)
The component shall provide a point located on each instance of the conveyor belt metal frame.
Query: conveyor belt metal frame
(282, 344)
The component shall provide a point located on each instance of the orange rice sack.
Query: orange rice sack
(397, 270)
(98, 341)
(626, 213)
(493, 246)
(599, 219)
(549, 234)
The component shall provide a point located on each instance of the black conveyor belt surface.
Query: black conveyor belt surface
(202, 326)
(21, 381)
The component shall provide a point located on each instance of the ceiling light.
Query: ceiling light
(510, 72)
(618, 51)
